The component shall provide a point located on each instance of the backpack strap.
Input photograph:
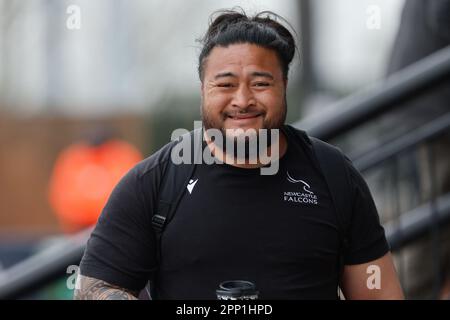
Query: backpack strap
(333, 164)
(173, 185)
(175, 178)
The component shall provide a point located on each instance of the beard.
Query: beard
(251, 143)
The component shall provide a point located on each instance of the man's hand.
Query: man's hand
(94, 289)
(361, 282)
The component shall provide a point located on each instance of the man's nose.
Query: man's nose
(243, 97)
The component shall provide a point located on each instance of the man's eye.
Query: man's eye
(225, 85)
(261, 84)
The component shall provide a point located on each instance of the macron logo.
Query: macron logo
(191, 185)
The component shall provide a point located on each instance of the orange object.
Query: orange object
(84, 176)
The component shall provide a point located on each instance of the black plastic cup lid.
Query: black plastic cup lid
(236, 288)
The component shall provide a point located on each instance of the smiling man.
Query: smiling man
(278, 231)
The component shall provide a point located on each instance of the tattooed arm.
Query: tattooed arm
(94, 289)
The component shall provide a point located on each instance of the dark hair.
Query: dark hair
(263, 29)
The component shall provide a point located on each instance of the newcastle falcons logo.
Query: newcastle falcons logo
(300, 197)
(306, 186)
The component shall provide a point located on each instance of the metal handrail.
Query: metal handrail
(46, 266)
(417, 222)
(386, 151)
(386, 95)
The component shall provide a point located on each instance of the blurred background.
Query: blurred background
(86, 82)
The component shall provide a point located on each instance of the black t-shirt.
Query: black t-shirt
(278, 231)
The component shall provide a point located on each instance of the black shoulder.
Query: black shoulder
(157, 161)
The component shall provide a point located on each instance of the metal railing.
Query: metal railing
(416, 223)
(44, 267)
(386, 95)
(427, 219)
(428, 131)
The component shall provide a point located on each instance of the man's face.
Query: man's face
(243, 87)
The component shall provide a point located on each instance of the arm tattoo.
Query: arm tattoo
(95, 289)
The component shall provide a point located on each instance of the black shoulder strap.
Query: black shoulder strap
(175, 178)
(333, 165)
(173, 185)
(334, 168)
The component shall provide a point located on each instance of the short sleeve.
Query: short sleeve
(121, 249)
(367, 240)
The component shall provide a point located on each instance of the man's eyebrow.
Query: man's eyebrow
(262, 74)
(224, 75)
(253, 74)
